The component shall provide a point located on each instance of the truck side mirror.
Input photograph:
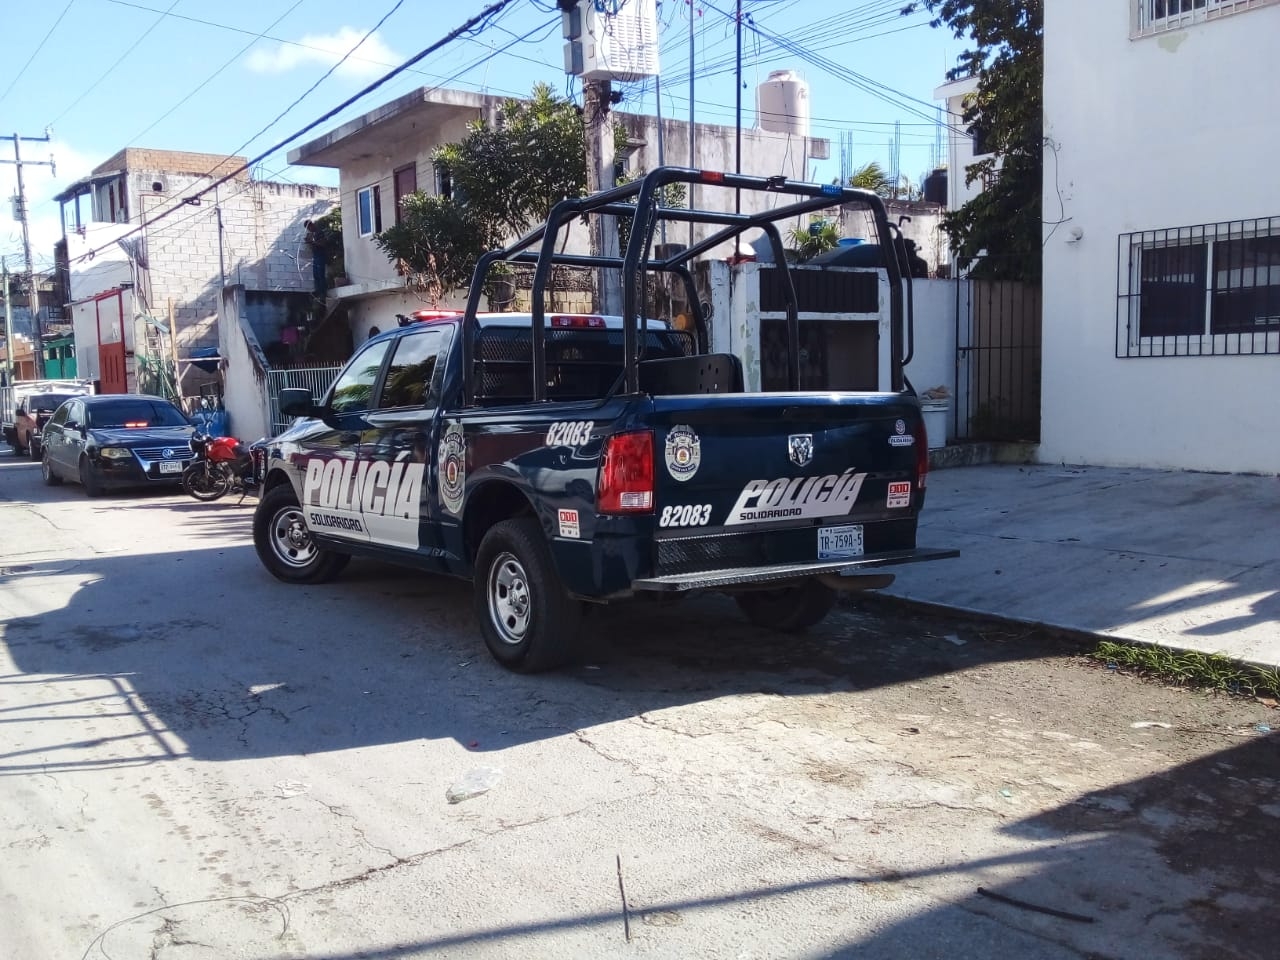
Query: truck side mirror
(297, 402)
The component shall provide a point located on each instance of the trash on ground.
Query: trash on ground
(1263, 728)
(1143, 724)
(291, 788)
(477, 781)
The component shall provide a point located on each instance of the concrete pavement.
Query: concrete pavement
(1186, 560)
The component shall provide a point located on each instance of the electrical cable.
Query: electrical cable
(881, 91)
(281, 40)
(36, 51)
(119, 60)
(479, 20)
(209, 79)
(325, 76)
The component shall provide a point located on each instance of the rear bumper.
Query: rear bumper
(777, 573)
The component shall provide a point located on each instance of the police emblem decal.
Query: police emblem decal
(683, 453)
(453, 467)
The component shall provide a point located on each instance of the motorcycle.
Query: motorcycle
(223, 465)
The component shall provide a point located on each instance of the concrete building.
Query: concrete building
(386, 154)
(137, 236)
(963, 148)
(1162, 283)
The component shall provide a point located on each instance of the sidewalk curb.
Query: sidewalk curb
(1075, 635)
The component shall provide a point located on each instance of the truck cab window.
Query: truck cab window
(411, 375)
(353, 390)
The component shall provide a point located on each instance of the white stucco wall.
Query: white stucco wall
(934, 362)
(109, 268)
(1158, 132)
(243, 369)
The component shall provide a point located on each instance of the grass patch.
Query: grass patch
(1189, 668)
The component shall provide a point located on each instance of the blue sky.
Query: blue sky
(190, 75)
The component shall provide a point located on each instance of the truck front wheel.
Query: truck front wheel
(789, 609)
(529, 621)
(284, 543)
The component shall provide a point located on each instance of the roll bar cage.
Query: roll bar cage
(538, 247)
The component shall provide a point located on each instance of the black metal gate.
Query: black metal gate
(997, 359)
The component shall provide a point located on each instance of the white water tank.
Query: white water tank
(782, 103)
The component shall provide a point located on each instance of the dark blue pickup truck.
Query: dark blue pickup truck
(557, 459)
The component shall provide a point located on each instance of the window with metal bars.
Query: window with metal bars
(1205, 290)
(1157, 16)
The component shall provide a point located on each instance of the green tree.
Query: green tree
(1007, 58)
(511, 174)
(505, 179)
(818, 238)
(871, 176)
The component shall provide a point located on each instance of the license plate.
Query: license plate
(839, 543)
(175, 466)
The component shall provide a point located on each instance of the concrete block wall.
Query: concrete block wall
(262, 244)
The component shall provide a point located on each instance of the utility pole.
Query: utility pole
(8, 329)
(596, 95)
(737, 164)
(693, 127)
(20, 209)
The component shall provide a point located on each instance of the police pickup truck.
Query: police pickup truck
(558, 460)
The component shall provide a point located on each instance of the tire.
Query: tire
(33, 449)
(205, 484)
(789, 609)
(284, 544)
(89, 480)
(528, 620)
(51, 478)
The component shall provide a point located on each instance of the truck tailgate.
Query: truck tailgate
(755, 480)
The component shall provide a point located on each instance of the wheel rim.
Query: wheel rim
(290, 539)
(44, 466)
(510, 604)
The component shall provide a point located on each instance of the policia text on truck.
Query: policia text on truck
(557, 460)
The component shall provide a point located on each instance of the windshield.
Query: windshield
(135, 412)
(46, 402)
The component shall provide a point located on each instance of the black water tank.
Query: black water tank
(935, 186)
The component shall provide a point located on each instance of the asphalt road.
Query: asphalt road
(197, 761)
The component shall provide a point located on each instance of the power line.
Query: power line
(36, 51)
(290, 43)
(327, 74)
(882, 91)
(249, 185)
(209, 79)
(119, 60)
(478, 20)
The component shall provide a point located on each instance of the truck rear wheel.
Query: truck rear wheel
(789, 609)
(529, 621)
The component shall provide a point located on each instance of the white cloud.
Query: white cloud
(41, 187)
(373, 57)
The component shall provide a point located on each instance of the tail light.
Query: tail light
(922, 455)
(626, 474)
